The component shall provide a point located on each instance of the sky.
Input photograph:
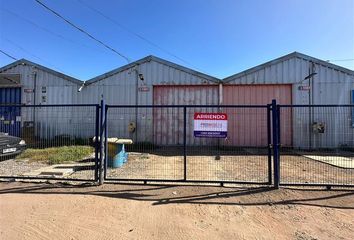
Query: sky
(217, 37)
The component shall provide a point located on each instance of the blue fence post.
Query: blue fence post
(105, 146)
(279, 144)
(101, 142)
(275, 143)
(278, 127)
(185, 142)
(96, 143)
(269, 134)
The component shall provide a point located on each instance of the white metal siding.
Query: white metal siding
(58, 91)
(168, 122)
(120, 88)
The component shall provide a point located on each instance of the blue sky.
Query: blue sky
(218, 37)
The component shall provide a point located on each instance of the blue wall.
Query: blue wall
(352, 108)
(10, 117)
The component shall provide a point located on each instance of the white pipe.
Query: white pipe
(220, 94)
(82, 86)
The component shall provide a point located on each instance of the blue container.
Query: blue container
(120, 158)
(125, 156)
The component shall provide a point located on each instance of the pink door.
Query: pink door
(248, 126)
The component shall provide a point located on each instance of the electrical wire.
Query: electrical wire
(8, 55)
(341, 60)
(135, 34)
(46, 29)
(31, 54)
(83, 31)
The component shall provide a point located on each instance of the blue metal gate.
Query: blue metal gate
(10, 117)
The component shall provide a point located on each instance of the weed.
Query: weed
(55, 155)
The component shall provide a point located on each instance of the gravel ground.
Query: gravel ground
(12, 167)
(21, 167)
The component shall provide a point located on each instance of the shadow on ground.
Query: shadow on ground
(170, 194)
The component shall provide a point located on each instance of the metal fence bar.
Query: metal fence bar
(269, 138)
(278, 125)
(183, 181)
(56, 142)
(278, 129)
(49, 178)
(189, 106)
(100, 140)
(316, 105)
(327, 185)
(275, 143)
(291, 166)
(176, 155)
(48, 105)
(105, 126)
(96, 143)
(322, 148)
(185, 143)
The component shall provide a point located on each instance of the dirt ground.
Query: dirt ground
(112, 211)
(247, 168)
(228, 168)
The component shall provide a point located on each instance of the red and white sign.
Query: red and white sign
(212, 125)
(144, 89)
(304, 88)
(28, 90)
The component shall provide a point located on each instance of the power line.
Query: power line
(46, 29)
(31, 54)
(341, 60)
(134, 33)
(83, 31)
(8, 55)
(22, 49)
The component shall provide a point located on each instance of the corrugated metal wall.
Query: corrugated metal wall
(121, 89)
(168, 122)
(41, 88)
(330, 86)
(61, 90)
(248, 126)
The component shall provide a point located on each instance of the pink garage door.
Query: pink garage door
(248, 126)
(168, 122)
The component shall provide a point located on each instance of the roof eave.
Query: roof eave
(156, 59)
(38, 66)
(284, 58)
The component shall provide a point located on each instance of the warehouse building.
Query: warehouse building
(292, 79)
(27, 83)
(152, 81)
(141, 82)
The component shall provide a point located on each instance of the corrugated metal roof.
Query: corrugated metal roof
(156, 59)
(27, 62)
(284, 58)
(179, 67)
(114, 71)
